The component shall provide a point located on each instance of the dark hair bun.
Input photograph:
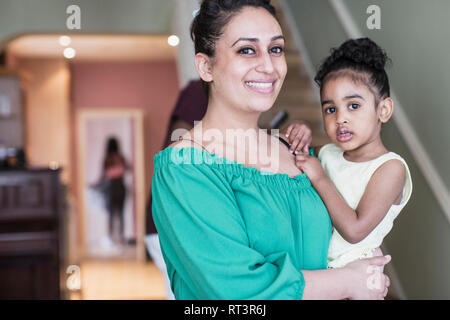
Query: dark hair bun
(362, 56)
(361, 51)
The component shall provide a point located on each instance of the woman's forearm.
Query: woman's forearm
(328, 284)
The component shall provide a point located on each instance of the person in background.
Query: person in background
(190, 107)
(114, 167)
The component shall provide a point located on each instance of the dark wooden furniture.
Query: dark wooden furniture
(30, 237)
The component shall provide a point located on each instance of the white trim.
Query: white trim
(346, 19)
(406, 129)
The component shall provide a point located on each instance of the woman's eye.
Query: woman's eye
(277, 50)
(353, 106)
(246, 51)
(330, 110)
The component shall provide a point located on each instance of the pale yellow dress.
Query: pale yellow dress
(350, 179)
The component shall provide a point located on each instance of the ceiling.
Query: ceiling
(95, 47)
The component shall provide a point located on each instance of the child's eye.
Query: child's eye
(276, 50)
(330, 110)
(353, 106)
(246, 51)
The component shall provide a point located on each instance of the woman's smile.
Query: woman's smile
(261, 86)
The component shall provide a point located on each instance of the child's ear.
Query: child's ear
(203, 65)
(385, 110)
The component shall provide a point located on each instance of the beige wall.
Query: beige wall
(46, 90)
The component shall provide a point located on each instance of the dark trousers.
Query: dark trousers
(115, 204)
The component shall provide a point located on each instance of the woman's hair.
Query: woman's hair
(112, 146)
(213, 16)
(366, 62)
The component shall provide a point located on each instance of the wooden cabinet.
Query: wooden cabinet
(30, 237)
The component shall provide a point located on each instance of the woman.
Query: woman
(114, 167)
(230, 226)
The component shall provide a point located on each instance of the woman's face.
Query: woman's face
(249, 66)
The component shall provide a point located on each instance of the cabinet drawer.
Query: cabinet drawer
(27, 194)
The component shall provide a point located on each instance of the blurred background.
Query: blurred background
(73, 78)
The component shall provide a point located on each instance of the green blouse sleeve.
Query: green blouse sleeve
(204, 240)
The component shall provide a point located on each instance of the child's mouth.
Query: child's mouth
(343, 135)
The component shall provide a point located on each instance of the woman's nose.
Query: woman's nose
(265, 64)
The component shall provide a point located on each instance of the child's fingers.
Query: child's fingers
(296, 142)
(306, 148)
(305, 141)
(307, 144)
(301, 157)
(293, 135)
(289, 129)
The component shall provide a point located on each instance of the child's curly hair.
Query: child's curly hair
(366, 62)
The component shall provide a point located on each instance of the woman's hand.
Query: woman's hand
(299, 136)
(367, 280)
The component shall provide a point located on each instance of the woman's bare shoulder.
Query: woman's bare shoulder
(181, 144)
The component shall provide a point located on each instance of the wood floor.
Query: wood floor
(107, 279)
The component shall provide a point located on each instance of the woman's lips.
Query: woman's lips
(261, 86)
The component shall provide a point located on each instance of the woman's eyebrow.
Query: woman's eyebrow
(256, 39)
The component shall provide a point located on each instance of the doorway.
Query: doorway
(100, 239)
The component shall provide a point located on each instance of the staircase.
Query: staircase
(297, 97)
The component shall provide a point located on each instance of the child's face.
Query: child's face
(350, 117)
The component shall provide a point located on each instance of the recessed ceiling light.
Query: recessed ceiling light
(70, 53)
(173, 40)
(65, 41)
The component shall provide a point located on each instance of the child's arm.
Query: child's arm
(383, 190)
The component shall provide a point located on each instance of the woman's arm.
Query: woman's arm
(359, 280)
(383, 190)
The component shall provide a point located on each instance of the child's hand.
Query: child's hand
(299, 135)
(311, 166)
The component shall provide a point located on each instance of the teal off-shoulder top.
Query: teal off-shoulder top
(233, 232)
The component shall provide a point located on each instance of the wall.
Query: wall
(150, 86)
(46, 92)
(412, 33)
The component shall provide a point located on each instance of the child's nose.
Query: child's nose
(341, 118)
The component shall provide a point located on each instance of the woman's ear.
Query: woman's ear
(386, 109)
(203, 66)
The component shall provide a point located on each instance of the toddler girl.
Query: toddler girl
(363, 185)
